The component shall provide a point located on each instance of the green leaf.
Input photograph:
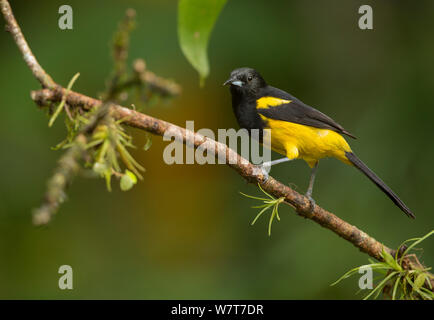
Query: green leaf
(373, 266)
(108, 177)
(418, 240)
(196, 19)
(427, 295)
(99, 168)
(128, 180)
(62, 103)
(420, 280)
(377, 290)
(390, 261)
(395, 287)
(259, 214)
(148, 144)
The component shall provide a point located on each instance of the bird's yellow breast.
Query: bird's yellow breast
(305, 142)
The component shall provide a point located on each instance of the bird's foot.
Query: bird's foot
(265, 169)
(311, 202)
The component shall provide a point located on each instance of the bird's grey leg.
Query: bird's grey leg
(310, 188)
(266, 166)
(272, 163)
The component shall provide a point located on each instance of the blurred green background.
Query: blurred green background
(184, 231)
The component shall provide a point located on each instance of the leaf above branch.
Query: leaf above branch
(196, 19)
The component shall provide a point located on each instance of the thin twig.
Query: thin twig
(154, 83)
(121, 43)
(66, 170)
(143, 77)
(28, 56)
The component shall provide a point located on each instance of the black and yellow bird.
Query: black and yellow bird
(298, 131)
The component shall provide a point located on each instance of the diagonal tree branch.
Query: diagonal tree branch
(249, 171)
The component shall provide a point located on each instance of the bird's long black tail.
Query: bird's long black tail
(380, 184)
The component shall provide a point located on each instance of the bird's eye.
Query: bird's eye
(249, 78)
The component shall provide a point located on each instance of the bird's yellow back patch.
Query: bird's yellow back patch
(265, 102)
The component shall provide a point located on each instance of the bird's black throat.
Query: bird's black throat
(244, 107)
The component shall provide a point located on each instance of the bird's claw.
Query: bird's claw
(311, 202)
(265, 168)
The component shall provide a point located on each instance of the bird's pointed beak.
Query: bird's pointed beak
(227, 82)
(233, 81)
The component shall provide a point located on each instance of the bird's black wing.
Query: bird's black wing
(298, 112)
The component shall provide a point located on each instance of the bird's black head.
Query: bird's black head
(245, 80)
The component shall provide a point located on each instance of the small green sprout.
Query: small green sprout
(109, 142)
(128, 180)
(62, 103)
(148, 142)
(268, 203)
(405, 284)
